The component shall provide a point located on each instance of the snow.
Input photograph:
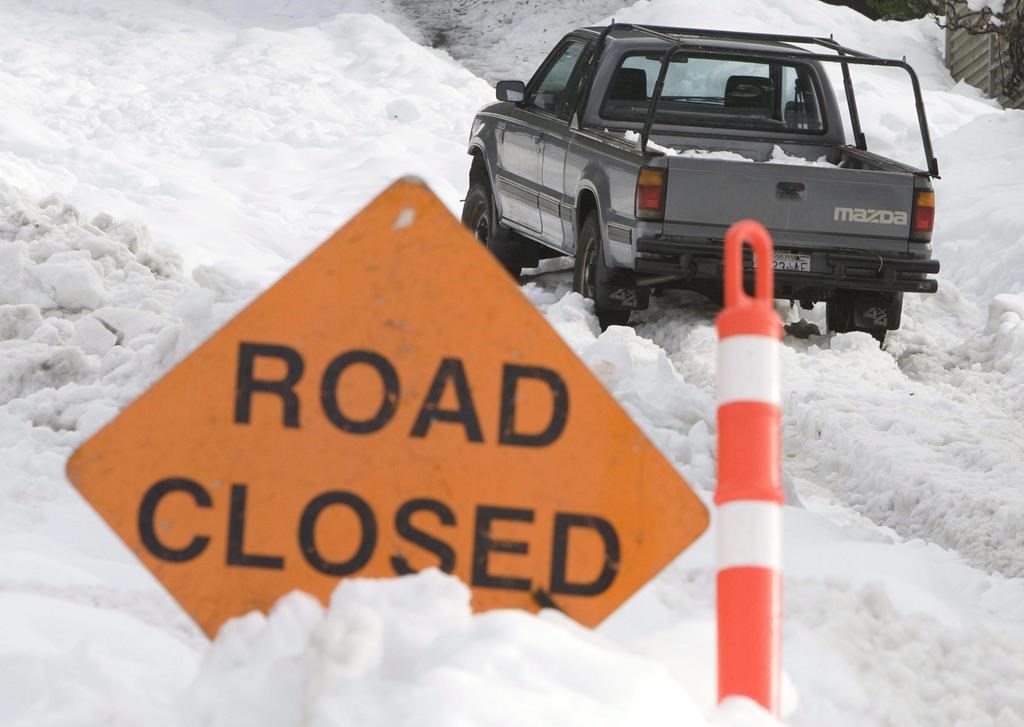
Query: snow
(290, 14)
(778, 155)
(634, 137)
(727, 156)
(161, 162)
(410, 650)
(501, 39)
(996, 6)
(201, 123)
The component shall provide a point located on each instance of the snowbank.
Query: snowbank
(289, 14)
(980, 220)
(410, 650)
(91, 313)
(233, 142)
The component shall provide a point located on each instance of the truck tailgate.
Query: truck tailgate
(804, 207)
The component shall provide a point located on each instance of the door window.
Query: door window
(553, 92)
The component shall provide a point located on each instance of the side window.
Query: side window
(799, 103)
(553, 93)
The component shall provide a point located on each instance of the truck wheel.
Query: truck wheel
(480, 216)
(839, 316)
(590, 272)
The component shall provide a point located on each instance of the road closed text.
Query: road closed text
(424, 526)
(354, 530)
(449, 382)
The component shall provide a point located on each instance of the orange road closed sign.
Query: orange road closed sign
(393, 403)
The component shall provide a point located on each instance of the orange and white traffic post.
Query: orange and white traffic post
(749, 496)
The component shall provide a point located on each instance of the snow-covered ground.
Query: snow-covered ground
(162, 161)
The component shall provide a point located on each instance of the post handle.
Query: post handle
(754, 234)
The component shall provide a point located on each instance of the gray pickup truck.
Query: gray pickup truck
(633, 148)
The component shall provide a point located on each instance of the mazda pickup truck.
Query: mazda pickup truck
(633, 148)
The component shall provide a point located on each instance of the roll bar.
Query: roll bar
(687, 40)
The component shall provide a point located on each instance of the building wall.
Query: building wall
(979, 59)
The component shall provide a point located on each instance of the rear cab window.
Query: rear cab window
(719, 92)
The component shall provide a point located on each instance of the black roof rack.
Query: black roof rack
(682, 39)
(674, 34)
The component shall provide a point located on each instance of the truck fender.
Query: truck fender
(478, 148)
(593, 182)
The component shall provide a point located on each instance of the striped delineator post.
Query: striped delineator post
(748, 496)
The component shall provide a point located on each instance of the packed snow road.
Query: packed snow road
(160, 162)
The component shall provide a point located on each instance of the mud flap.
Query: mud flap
(878, 311)
(529, 251)
(618, 295)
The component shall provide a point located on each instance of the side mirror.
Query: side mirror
(514, 91)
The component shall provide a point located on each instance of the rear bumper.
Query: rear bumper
(830, 270)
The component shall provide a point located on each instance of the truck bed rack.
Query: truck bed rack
(688, 40)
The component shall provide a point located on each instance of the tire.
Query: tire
(480, 216)
(839, 316)
(590, 272)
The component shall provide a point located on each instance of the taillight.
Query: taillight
(650, 194)
(924, 216)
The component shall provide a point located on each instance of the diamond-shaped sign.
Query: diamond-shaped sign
(392, 403)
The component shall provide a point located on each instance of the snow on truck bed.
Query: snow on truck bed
(160, 162)
(777, 155)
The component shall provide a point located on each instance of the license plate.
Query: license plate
(791, 262)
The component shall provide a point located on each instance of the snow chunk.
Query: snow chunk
(38, 366)
(1006, 325)
(854, 342)
(92, 336)
(779, 156)
(17, 284)
(73, 280)
(19, 321)
(573, 317)
(130, 323)
(728, 156)
(634, 137)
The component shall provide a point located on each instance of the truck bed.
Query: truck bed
(822, 206)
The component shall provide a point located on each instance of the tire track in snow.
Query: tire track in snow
(924, 458)
(931, 458)
(496, 39)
